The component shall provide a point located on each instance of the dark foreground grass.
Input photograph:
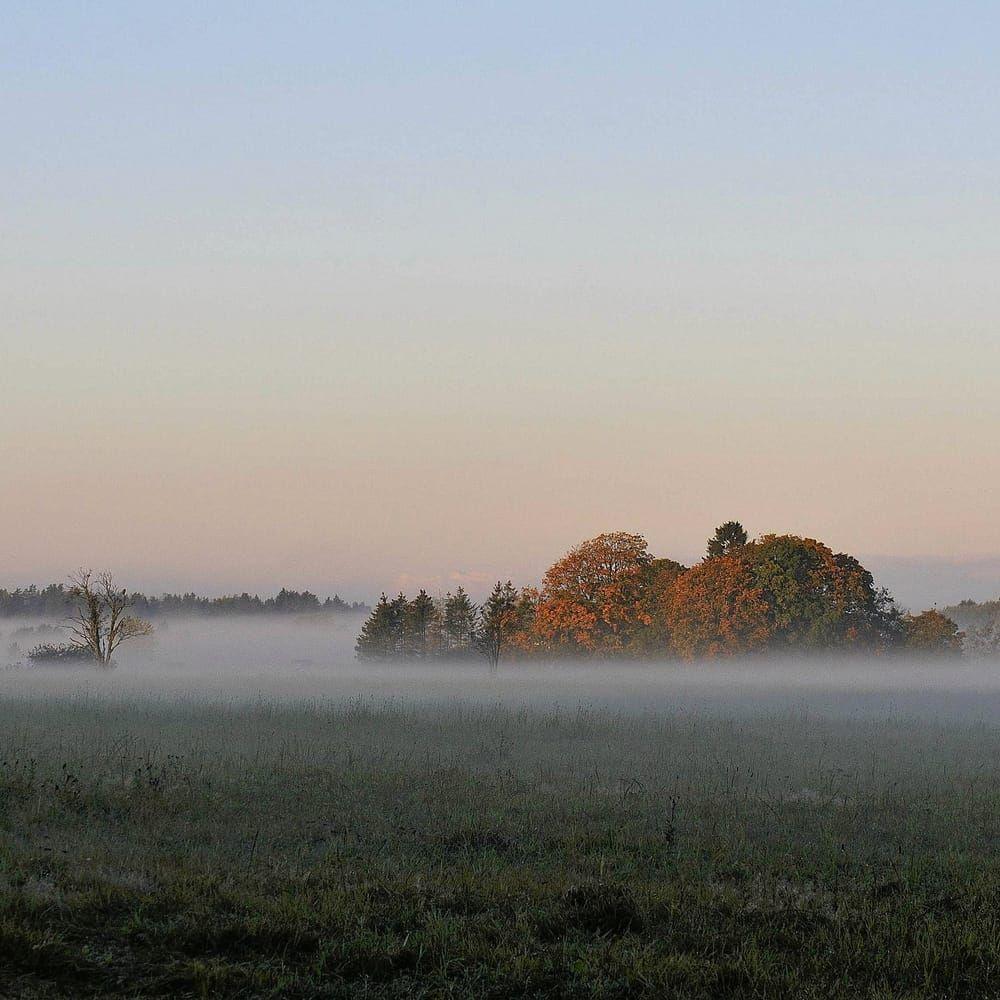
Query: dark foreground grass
(372, 851)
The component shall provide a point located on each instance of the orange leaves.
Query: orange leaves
(932, 632)
(592, 598)
(609, 597)
(561, 622)
(715, 610)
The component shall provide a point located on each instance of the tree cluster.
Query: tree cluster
(449, 628)
(980, 622)
(57, 601)
(609, 597)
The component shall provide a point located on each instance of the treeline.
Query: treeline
(975, 614)
(981, 624)
(57, 601)
(453, 627)
(609, 597)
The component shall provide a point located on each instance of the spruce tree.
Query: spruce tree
(729, 536)
(460, 623)
(375, 641)
(397, 625)
(498, 619)
(419, 626)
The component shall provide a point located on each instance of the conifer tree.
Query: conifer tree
(419, 626)
(460, 620)
(376, 640)
(397, 625)
(728, 537)
(498, 620)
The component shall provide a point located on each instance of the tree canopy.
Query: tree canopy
(728, 536)
(592, 600)
(609, 597)
(716, 609)
(932, 632)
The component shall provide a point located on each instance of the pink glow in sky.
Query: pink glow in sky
(357, 300)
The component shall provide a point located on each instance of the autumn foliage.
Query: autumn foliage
(608, 597)
(592, 600)
(716, 609)
(817, 599)
(932, 632)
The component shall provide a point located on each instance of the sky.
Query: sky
(368, 296)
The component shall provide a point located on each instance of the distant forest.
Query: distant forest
(609, 597)
(981, 624)
(973, 614)
(56, 601)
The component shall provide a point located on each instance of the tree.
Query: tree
(817, 599)
(932, 633)
(292, 602)
(398, 608)
(728, 536)
(716, 610)
(592, 599)
(779, 591)
(983, 641)
(460, 620)
(101, 621)
(376, 641)
(653, 639)
(500, 619)
(420, 623)
(869, 615)
(524, 639)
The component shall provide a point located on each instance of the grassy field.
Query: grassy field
(372, 850)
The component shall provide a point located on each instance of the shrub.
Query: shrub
(66, 652)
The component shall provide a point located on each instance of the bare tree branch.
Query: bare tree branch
(101, 622)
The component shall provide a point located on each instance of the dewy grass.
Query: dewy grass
(371, 849)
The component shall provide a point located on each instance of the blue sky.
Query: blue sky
(344, 295)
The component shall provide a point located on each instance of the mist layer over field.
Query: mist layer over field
(240, 808)
(154, 848)
(312, 659)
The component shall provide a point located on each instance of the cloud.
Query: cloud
(472, 578)
(407, 582)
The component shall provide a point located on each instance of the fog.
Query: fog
(312, 659)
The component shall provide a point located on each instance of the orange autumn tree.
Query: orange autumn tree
(716, 610)
(653, 639)
(593, 599)
(778, 592)
(932, 633)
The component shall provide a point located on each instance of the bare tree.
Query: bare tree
(102, 622)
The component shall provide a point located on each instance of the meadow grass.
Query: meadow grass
(362, 849)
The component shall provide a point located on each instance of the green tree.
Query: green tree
(398, 608)
(376, 641)
(727, 537)
(420, 622)
(817, 599)
(499, 620)
(459, 624)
